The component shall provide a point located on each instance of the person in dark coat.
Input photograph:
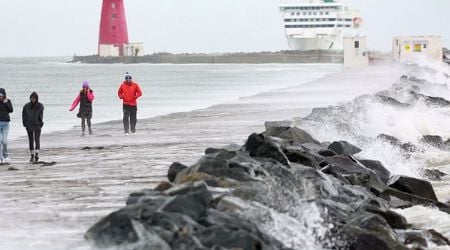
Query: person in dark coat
(32, 120)
(85, 99)
(6, 108)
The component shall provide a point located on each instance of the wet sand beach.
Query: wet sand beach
(50, 207)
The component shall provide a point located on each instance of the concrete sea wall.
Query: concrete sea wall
(262, 57)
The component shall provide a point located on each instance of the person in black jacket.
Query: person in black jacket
(5, 109)
(32, 119)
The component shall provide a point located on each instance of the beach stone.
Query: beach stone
(433, 140)
(415, 238)
(135, 197)
(292, 134)
(392, 101)
(389, 139)
(378, 168)
(174, 169)
(344, 148)
(413, 186)
(434, 174)
(431, 100)
(163, 186)
(409, 147)
(437, 238)
(277, 124)
(186, 242)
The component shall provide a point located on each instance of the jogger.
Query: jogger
(129, 118)
(33, 121)
(129, 92)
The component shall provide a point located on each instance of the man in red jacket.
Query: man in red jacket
(129, 92)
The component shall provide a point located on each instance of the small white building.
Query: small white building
(355, 52)
(107, 50)
(134, 49)
(405, 48)
(130, 49)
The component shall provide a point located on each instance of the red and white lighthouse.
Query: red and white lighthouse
(113, 37)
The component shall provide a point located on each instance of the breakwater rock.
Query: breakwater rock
(283, 189)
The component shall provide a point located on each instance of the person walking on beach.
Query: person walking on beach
(85, 99)
(6, 108)
(129, 92)
(32, 119)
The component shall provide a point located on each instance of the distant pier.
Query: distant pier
(222, 58)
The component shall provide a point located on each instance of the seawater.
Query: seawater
(167, 88)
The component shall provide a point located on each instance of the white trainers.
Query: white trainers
(127, 134)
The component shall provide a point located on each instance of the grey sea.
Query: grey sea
(167, 88)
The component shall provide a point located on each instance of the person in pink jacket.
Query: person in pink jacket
(85, 99)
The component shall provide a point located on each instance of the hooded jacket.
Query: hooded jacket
(33, 113)
(129, 93)
(5, 108)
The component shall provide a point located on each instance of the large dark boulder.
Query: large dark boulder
(344, 148)
(262, 146)
(306, 154)
(174, 169)
(347, 168)
(292, 134)
(220, 168)
(366, 231)
(413, 186)
(113, 230)
(378, 168)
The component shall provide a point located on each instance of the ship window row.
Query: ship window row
(310, 26)
(311, 8)
(315, 19)
(316, 26)
(309, 13)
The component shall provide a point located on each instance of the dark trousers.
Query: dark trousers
(34, 138)
(85, 120)
(129, 118)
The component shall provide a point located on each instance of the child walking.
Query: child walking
(85, 99)
(32, 119)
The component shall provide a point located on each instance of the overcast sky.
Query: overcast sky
(66, 27)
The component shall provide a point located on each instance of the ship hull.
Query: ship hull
(316, 43)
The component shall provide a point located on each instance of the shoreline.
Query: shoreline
(93, 176)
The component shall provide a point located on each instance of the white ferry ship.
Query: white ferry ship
(318, 24)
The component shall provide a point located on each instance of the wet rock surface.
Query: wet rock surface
(219, 202)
